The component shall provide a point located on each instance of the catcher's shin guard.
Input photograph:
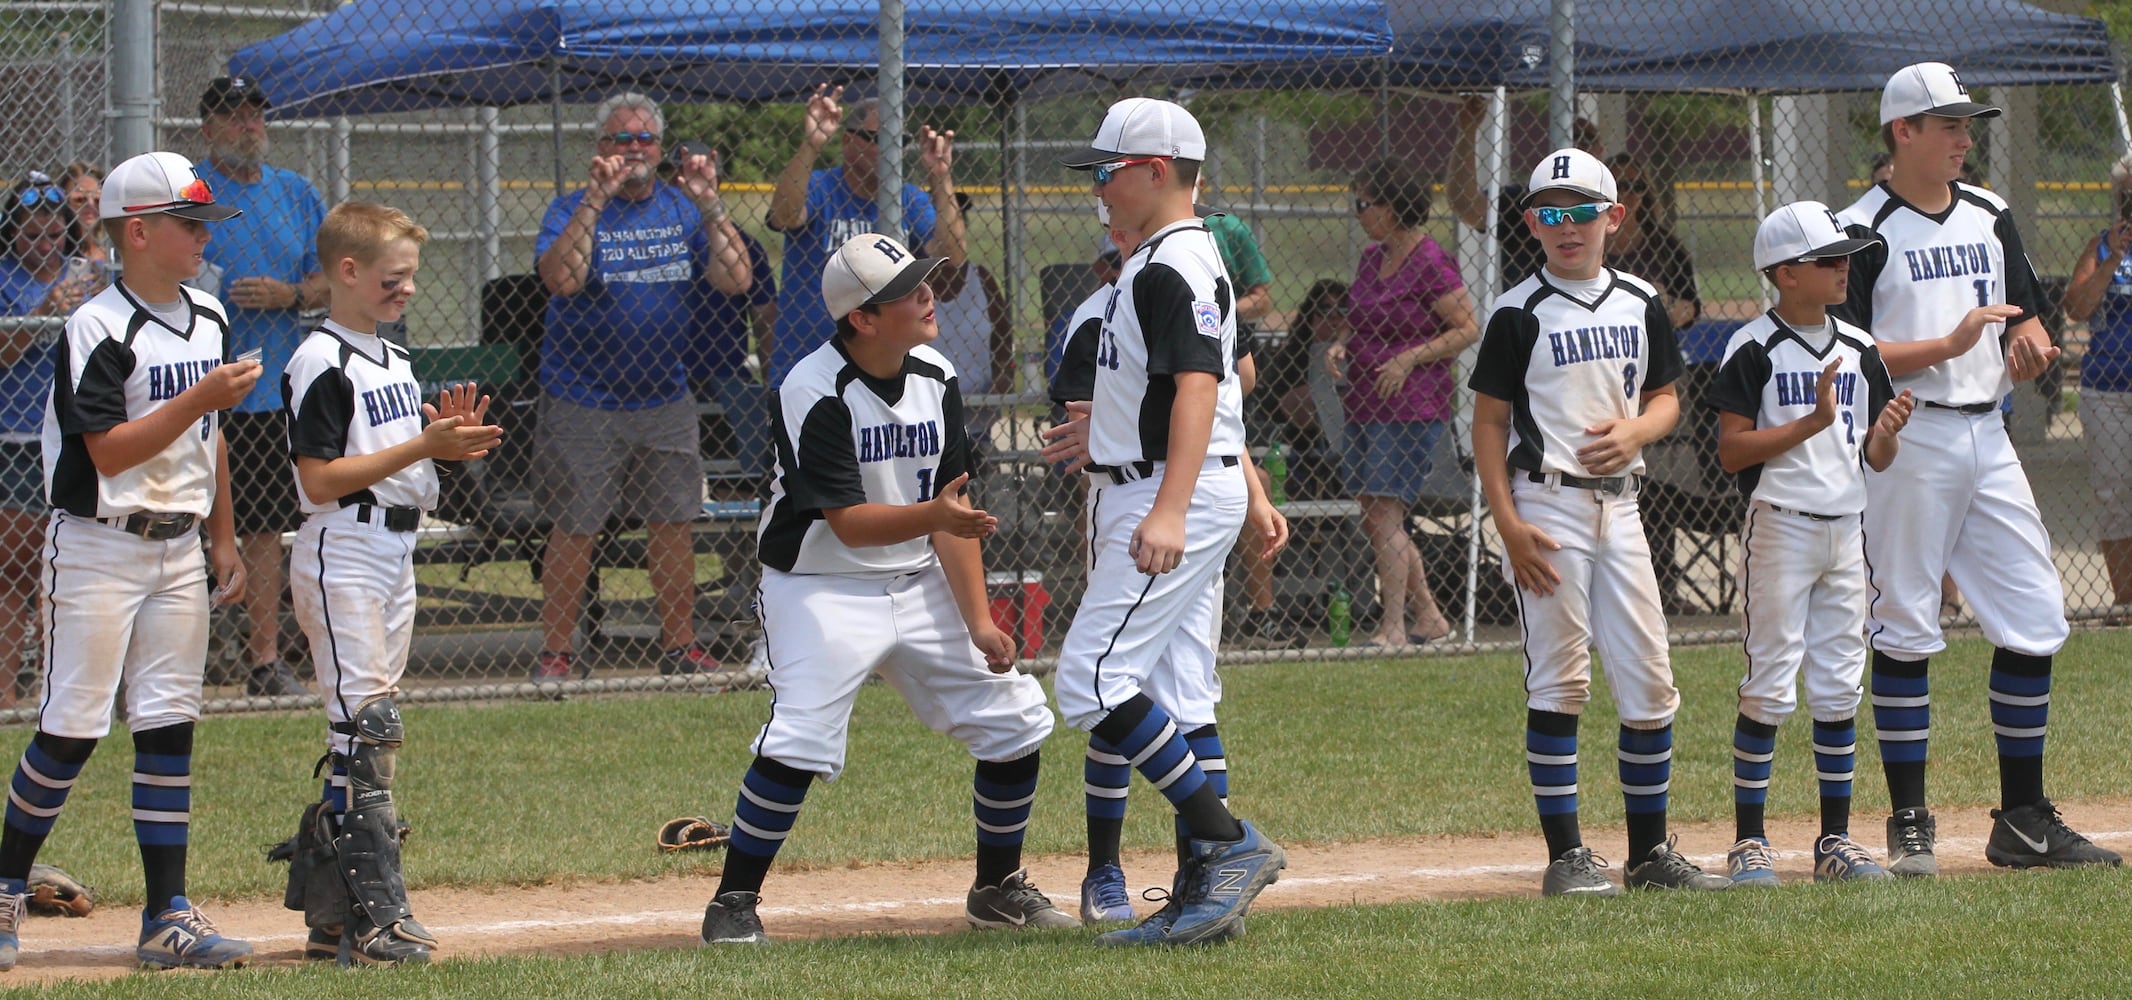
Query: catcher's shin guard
(381, 927)
(315, 886)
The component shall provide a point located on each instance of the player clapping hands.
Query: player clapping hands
(456, 432)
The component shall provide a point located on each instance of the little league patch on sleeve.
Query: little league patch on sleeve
(1207, 317)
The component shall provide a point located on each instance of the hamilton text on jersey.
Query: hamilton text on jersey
(391, 402)
(167, 381)
(1955, 261)
(1797, 388)
(1596, 343)
(882, 442)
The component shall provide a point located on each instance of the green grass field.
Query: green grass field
(542, 793)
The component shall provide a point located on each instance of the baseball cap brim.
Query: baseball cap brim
(905, 282)
(1088, 158)
(1964, 109)
(1840, 248)
(1577, 188)
(204, 213)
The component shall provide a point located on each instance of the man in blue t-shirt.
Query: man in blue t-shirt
(631, 265)
(263, 265)
(718, 359)
(818, 210)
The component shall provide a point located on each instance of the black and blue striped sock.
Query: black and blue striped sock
(50, 766)
(1754, 752)
(1205, 743)
(1646, 757)
(1835, 763)
(1104, 779)
(769, 803)
(162, 809)
(1002, 793)
(2020, 712)
(1147, 737)
(1551, 759)
(1902, 726)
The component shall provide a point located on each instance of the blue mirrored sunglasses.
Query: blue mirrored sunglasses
(31, 197)
(628, 138)
(1575, 213)
(1103, 172)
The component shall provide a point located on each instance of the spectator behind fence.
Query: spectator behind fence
(2101, 292)
(37, 235)
(617, 431)
(1520, 253)
(1410, 317)
(735, 327)
(84, 184)
(1646, 247)
(1302, 391)
(976, 330)
(263, 265)
(818, 210)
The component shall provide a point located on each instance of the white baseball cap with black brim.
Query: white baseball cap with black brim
(1572, 169)
(1929, 88)
(871, 269)
(1141, 126)
(160, 184)
(1803, 231)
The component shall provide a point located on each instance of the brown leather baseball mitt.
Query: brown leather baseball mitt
(54, 893)
(692, 833)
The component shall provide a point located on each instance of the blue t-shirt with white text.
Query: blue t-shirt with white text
(834, 215)
(276, 237)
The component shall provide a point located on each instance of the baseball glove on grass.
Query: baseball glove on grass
(692, 833)
(54, 893)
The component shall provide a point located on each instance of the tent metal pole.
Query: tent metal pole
(1498, 133)
(555, 115)
(133, 85)
(888, 200)
(488, 189)
(1562, 74)
(2117, 103)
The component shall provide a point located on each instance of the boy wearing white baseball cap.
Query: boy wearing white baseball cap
(1803, 404)
(1952, 303)
(1170, 486)
(134, 467)
(1575, 376)
(870, 561)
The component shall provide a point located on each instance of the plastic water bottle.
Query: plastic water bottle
(1277, 471)
(1339, 615)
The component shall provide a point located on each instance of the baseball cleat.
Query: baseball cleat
(322, 945)
(1838, 858)
(363, 943)
(1104, 897)
(13, 903)
(1013, 904)
(2032, 836)
(1226, 875)
(1911, 833)
(730, 919)
(1667, 868)
(1750, 863)
(1578, 872)
(183, 937)
(1156, 928)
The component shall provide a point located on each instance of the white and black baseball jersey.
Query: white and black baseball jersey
(1567, 355)
(349, 393)
(843, 438)
(1172, 311)
(120, 361)
(1770, 374)
(1929, 272)
(1076, 375)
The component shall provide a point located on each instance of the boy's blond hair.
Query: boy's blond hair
(361, 230)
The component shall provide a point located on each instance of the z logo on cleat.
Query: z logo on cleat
(1229, 882)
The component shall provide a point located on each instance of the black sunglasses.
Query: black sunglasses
(631, 138)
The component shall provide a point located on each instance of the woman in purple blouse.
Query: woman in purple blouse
(1409, 317)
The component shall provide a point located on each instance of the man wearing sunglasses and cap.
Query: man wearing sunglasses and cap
(817, 210)
(264, 266)
(1952, 302)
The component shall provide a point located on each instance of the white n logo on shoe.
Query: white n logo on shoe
(176, 940)
(1229, 882)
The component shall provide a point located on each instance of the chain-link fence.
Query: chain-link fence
(480, 122)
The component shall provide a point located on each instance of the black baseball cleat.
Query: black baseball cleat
(731, 919)
(2032, 836)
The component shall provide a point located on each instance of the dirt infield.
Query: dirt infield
(927, 898)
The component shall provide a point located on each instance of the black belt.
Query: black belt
(1971, 409)
(1805, 514)
(1131, 472)
(1617, 485)
(154, 527)
(395, 518)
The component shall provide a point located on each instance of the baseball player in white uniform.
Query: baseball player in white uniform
(1952, 303)
(362, 443)
(1170, 486)
(1803, 405)
(133, 458)
(871, 562)
(1575, 375)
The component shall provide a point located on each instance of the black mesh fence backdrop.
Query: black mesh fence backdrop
(481, 119)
